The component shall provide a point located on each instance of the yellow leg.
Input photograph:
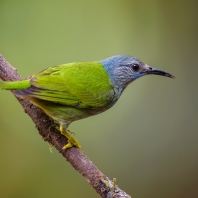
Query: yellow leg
(71, 141)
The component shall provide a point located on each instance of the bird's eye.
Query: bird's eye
(135, 67)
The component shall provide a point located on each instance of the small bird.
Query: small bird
(74, 91)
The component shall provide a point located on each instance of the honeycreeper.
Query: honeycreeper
(74, 91)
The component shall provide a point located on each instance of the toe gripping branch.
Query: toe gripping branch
(71, 140)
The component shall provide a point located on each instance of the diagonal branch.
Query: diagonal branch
(81, 163)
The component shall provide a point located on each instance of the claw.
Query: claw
(73, 133)
(68, 145)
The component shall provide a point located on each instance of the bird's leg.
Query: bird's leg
(71, 141)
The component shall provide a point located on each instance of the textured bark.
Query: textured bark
(45, 125)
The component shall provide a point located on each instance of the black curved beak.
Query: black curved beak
(152, 70)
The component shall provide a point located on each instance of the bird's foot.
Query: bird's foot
(71, 140)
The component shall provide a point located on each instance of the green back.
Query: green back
(75, 84)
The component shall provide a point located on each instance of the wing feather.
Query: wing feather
(76, 84)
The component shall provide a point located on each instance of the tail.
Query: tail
(15, 85)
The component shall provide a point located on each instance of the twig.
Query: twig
(101, 183)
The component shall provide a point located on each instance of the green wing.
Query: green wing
(76, 84)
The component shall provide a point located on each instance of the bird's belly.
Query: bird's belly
(63, 113)
(66, 113)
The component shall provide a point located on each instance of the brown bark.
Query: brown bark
(45, 125)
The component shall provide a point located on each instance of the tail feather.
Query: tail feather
(15, 85)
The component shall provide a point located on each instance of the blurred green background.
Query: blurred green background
(149, 139)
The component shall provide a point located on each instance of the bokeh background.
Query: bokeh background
(149, 139)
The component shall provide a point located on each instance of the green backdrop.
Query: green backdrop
(148, 140)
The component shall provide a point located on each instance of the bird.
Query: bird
(73, 91)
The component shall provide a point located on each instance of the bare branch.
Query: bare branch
(45, 125)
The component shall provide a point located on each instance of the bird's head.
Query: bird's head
(122, 70)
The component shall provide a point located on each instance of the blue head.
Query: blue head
(123, 70)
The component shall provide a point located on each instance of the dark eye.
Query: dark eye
(135, 67)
